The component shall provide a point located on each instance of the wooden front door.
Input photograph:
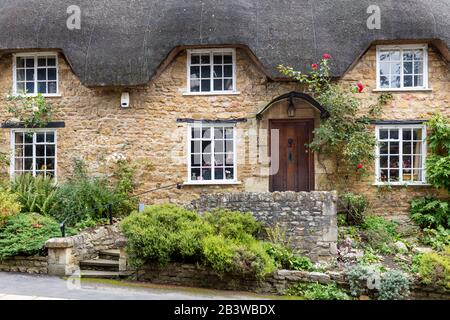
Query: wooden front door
(296, 162)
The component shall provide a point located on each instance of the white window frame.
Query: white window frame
(189, 153)
(377, 155)
(423, 47)
(12, 171)
(35, 55)
(211, 53)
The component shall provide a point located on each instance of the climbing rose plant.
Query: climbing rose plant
(33, 111)
(346, 133)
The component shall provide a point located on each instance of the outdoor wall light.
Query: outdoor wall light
(291, 109)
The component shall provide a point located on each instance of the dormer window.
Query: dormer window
(36, 73)
(211, 71)
(402, 67)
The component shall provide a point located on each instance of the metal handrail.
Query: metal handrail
(62, 226)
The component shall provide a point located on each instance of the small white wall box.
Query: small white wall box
(125, 100)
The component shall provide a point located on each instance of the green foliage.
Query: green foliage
(369, 257)
(430, 213)
(385, 98)
(438, 238)
(9, 205)
(345, 133)
(356, 206)
(278, 235)
(317, 291)
(223, 240)
(32, 111)
(438, 163)
(380, 233)
(4, 160)
(25, 234)
(394, 285)
(84, 198)
(286, 259)
(35, 194)
(231, 224)
(434, 268)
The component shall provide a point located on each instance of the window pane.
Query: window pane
(417, 162)
(407, 55)
(229, 160)
(30, 62)
(206, 71)
(196, 133)
(206, 59)
(206, 133)
(218, 85)
(384, 82)
(384, 56)
(407, 67)
(195, 72)
(50, 137)
(418, 67)
(20, 63)
(18, 164)
(28, 150)
(384, 175)
(383, 162)
(51, 61)
(217, 59)
(195, 160)
(393, 134)
(218, 133)
(30, 87)
(394, 148)
(21, 75)
(407, 163)
(408, 81)
(20, 87)
(407, 148)
(195, 85)
(40, 163)
(52, 87)
(51, 74)
(394, 161)
(206, 160)
(28, 164)
(217, 71)
(229, 173)
(206, 85)
(219, 159)
(406, 134)
(206, 174)
(395, 68)
(18, 137)
(28, 137)
(195, 174)
(417, 148)
(418, 55)
(384, 134)
(206, 147)
(395, 55)
(42, 74)
(417, 134)
(50, 149)
(195, 59)
(395, 82)
(228, 146)
(40, 150)
(219, 146)
(228, 84)
(418, 81)
(384, 148)
(393, 175)
(384, 68)
(418, 175)
(42, 62)
(195, 146)
(218, 174)
(228, 71)
(229, 133)
(42, 87)
(30, 74)
(228, 58)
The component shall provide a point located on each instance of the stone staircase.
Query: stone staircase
(106, 266)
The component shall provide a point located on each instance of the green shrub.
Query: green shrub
(380, 233)
(394, 285)
(359, 277)
(163, 233)
(124, 187)
(438, 239)
(9, 206)
(316, 291)
(356, 206)
(35, 194)
(285, 259)
(25, 234)
(232, 224)
(222, 240)
(434, 268)
(430, 213)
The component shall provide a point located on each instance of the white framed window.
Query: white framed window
(401, 154)
(402, 67)
(35, 73)
(34, 152)
(212, 154)
(211, 71)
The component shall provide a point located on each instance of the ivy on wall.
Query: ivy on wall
(32, 111)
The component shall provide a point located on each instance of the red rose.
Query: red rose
(326, 56)
(360, 166)
(314, 66)
(360, 87)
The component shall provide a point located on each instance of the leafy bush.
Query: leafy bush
(317, 291)
(394, 285)
(9, 206)
(438, 163)
(83, 198)
(360, 278)
(25, 234)
(222, 240)
(36, 194)
(430, 213)
(434, 268)
(356, 207)
(438, 239)
(285, 259)
(380, 233)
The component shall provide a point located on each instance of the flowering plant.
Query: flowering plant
(33, 111)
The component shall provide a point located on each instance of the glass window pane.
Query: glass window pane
(394, 175)
(40, 163)
(42, 62)
(52, 87)
(195, 72)
(42, 87)
(417, 147)
(206, 85)
(42, 74)
(228, 58)
(206, 147)
(406, 134)
(28, 150)
(28, 164)
(217, 59)
(384, 82)
(407, 68)
(195, 174)
(394, 161)
(196, 133)
(384, 56)
(418, 67)
(40, 150)
(50, 136)
(395, 68)
(195, 160)
(417, 162)
(229, 173)
(228, 71)
(218, 84)
(30, 74)
(21, 75)
(229, 146)
(195, 59)
(206, 59)
(407, 148)
(407, 81)
(206, 174)
(384, 175)
(29, 62)
(195, 146)
(51, 74)
(417, 134)
(30, 87)
(18, 137)
(28, 137)
(218, 133)
(395, 55)
(407, 162)
(418, 55)
(384, 148)
(20, 87)
(383, 162)
(206, 160)
(417, 175)
(206, 133)
(393, 134)
(206, 72)
(20, 62)
(219, 159)
(394, 148)
(50, 150)
(228, 84)
(195, 85)
(384, 68)
(218, 174)
(51, 62)
(229, 159)
(384, 134)
(229, 133)
(418, 81)
(18, 164)
(217, 71)
(40, 137)
(395, 82)
(219, 146)
(407, 55)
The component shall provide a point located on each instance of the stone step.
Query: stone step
(113, 254)
(103, 274)
(100, 265)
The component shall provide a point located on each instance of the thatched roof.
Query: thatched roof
(122, 42)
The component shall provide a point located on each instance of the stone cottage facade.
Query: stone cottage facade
(205, 110)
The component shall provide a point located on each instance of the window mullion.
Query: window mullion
(35, 74)
(34, 154)
(213, 151)
(400, 164)
(211, 80)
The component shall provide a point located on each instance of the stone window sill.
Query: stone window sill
(211, 93)
(404, 90)
(211, 183)
(407, 185)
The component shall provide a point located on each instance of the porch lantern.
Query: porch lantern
(291, 109)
